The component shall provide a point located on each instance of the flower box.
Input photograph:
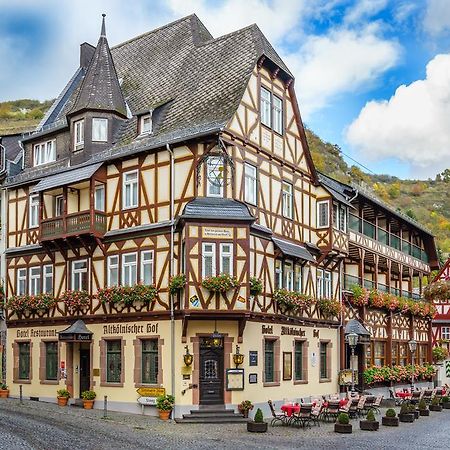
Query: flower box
(389, 421)
(256, 427)
(437, 408)
(369, 425)
(406, 418)
(345, 428)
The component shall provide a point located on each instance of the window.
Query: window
(271, 110)
(34, 211)
(48, 278)
(149, 361)
(379, 353)
(289, 275)
(214, 176)
(99, 198)
(422, 354)
(445, 332)
(269, 361)
(277, 120)
(51, 360)
(265, 107)
(35, 280)
(78, 134)
(278, 274)
(130, 189)
(129, 269)
(340, 217)
(323, 219)
(298, 278)
(250, 187)
(113, 361)
(79, 275)
(287, 200)
(208, 260)
(24, 360)
(113, 270)
(99, 130)
(21, 288)
(44, 153)
(226, 258)
(324, 363)
(146, 124)
(324, 284)
(147, 267)
(300, 361)
(59, 205)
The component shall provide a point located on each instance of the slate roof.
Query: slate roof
(340, 191)
(355, 326)
(216, 208)
(78, 327)
(295, 250)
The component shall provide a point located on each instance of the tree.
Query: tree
(446, 176)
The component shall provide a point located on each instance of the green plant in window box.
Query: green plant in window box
(177, 283)
(256, 286)
(329, 307)
(221, 283)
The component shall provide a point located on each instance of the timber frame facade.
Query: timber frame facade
(141, 185)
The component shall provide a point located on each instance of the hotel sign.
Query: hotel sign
(151, 391)
(75, 337)
(217, 233)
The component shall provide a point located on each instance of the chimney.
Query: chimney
(86, 54)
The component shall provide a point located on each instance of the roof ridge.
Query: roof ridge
(227, 35)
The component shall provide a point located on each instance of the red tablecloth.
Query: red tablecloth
(342, 402)
(290, 409)
(403, 394)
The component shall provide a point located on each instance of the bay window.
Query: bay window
(99, 197)
(99, 129)
(226, 258)
(288, 275)
(208, 260)
(323, 215)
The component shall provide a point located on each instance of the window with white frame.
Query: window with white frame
(323, 284)
(323, 215)
(80, 275)
(48, 278)
(99, 197)
(35, 280)
(288, 275)
(278, 273)
(208, 260)
(99, 129)
(266, 107)
(287, 200)
(113, 270)
(339, 217)
(147, 267)
(130, 189)
(214, 176)
(277, 114)
(59, 205)
(445, 333)
(33, 220)
(44, 153)
(21, 288)
(271, 111)
(298, 278)
(78, 134)
(226, 258)
(146, 126)
(129, 269)
(250, 187)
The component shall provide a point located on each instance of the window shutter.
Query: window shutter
(305, 351)
(42, 362)
(329, 360)
(137, 361)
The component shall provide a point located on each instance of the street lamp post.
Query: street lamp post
(412, 348)
(352, 339)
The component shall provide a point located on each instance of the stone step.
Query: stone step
(210, 412)
(213, 419)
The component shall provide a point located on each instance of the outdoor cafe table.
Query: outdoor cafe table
(289, 409)
(403, 395)
(342, 402)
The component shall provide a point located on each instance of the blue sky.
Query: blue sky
(371, 75)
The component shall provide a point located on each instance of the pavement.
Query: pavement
(38, 425)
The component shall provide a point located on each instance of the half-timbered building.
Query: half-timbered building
(441, 322)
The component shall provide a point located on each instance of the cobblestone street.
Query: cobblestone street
(36, 425)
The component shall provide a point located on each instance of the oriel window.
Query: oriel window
(113, 361)
(99, 198)
(99, 129)
(226, 258)
(78, 134)
(323, 215)
(208, 260)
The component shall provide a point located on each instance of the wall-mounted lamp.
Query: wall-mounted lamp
(238, 358)
(188, 358)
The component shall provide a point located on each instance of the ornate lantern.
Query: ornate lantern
(188, 358)
(238, 358)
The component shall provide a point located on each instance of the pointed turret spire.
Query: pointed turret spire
(100, 89)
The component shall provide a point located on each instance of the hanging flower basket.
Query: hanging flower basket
(221, 283)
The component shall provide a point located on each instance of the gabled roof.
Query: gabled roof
(339, 191)
(216, 208)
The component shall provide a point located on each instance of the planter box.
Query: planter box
(416, 414)
(437, 408)
(409, 418)
(389, 421)
(343, 428)
(255, 427)
(369, 425)
(4, 393)
(446, 405)
(424, 412)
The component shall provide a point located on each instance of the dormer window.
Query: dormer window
(78, 134)
(146, 125)
(99, 129)
(44, 153)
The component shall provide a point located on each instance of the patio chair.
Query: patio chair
(353, 407)
(360, 406)
(332, 410)
(398, 401)
(277, 416)
(370, 399)
(375, 406)
(346, 408)
(303, 417)
(316, 413)
(416, 396)
(427, 395)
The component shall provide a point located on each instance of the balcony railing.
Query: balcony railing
(85, 222)
(370, 230)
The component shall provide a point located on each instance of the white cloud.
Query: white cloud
(437, 17)
(412, 125)
(364, 9)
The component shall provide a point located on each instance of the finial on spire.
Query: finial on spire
(103, 32)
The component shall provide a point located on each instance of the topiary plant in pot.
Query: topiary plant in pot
(4, 391)
(413, 410)
(445, 402)
(423, 410)
(370, 424)
(342, 424)
(435, 406)
(390, 419)
(405, 414)
(257, 425)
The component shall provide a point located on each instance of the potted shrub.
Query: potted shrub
(4, 391)
(423, 410)
(370, 424)
(435, 406)
(445, 402)
(244, 407)
(405, 414)
(414, 410)
(88, 399)
(63, 396)
(257, 425)
(164, 405)
(342, 424)
(390, 419)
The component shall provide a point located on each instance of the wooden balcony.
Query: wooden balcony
(81, 223)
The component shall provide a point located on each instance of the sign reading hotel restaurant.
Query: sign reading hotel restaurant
(31, 332)
(217, 233)
(151, 391)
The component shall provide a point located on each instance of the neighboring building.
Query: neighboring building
(441, 323)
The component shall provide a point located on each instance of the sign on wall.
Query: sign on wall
(253, 358)
(253, 378)
(235, 380)
(217, 233)
(151, 391)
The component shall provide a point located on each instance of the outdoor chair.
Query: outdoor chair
(316, 413)
(354, 407)
(398, 401)
(370, 399)
(360, 406)
(277, 416)
(427, 395)
(375, 406)
(303, 417)
(416, 396)
(345, 408)
(332, 410)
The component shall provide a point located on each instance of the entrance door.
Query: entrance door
(85, 370)
(211, 371)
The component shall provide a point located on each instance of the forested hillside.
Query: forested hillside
(21, 115)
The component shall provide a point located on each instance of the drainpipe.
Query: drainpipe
(171, 266)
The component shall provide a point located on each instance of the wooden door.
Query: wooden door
(211, 372)
(85, 370)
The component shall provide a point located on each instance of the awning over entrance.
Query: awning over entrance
(65, 178)
(77, 332)
(355, 326)
(294, 250)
